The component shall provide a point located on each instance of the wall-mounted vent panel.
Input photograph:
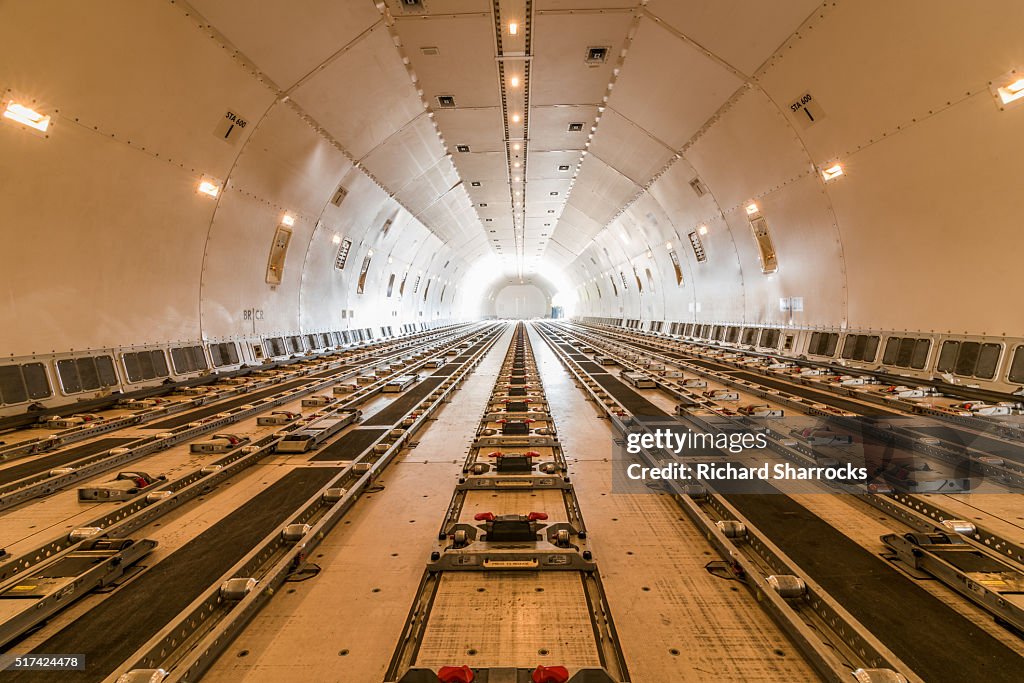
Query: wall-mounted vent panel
(765, 248)
(188, 359)
(698, 247)
(416, 284)
(278, 252)
(770, 338)
(276, 346)
(823, 344)
(575, 127)
(675, 264)
(446, 101)
(1016, 374)
(225, 353)
(342, 257)
(969, 359)
(906, 352)
(861, 347)
(86, 374)
(144, 365)
(698, 187)
(20, 383)
(362, 275)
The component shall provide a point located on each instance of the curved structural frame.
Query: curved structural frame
(842, 166)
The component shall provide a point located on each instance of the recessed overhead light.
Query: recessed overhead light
(208, 187)
(1012, 91)
(26, 116)
(832, 172)
(752, 208)
(516, 147)
(575, 127)
(703, 229)
(517, 164)
(336, 239)
(513, 28)
(446, 101)
(553, 194)
(517, 179)
(668, 245)
(515, 118)
(369, 252)
(563, 167)
(596, 55)
(514, 81)
(287, 220)
(475, 183)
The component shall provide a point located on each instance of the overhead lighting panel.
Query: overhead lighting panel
(513, 28)
(1011, 92)
(752, 208)
(26, 116)
(832, 172)
(209, 187)
(287, 220)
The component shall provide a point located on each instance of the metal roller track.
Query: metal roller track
(511, 591)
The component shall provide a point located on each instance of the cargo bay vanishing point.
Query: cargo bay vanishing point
(511, 341)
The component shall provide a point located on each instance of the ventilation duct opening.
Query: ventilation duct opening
(446, 101)
(575, 127)
(597, 55)
(278, 251)
(763, 238)
(698, 247)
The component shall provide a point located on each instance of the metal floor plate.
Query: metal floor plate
(514, 503)
(513, 621)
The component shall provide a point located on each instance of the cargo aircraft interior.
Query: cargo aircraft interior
(511, 341)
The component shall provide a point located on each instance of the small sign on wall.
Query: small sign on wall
(793, 304)
(230, 126)
(806, 110)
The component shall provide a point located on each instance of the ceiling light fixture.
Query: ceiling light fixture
(287, 220)
(514, 81)
(1011, 91)
(513, 28)
(752, 208)
(832, 172)
(515, 118)
(208, 187)
(26, 116)
(703, 229)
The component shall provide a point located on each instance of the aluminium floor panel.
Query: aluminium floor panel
(114, 629)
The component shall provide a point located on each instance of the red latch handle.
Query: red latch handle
(455, 674)
(495, 454)
(534, 516)
(550, 674)
(484, 516)
(531, 454)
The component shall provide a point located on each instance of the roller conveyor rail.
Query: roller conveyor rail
(163, 497)
(513, 535)
(917, 511)
(217, 611)
(902, 617)
(38, 477)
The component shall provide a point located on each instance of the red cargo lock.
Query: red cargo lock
(495, 454)
(484, 516)
(534, 516)
(455, 674)
(550, 674)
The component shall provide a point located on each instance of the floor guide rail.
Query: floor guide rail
(824, 578)
(171, 620)
(513, 539)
